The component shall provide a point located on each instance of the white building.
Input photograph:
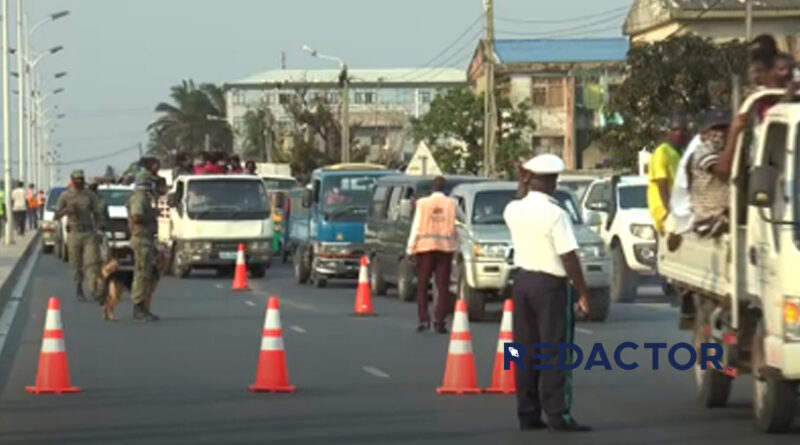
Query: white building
(382, 101)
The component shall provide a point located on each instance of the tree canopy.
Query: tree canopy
(686, 74)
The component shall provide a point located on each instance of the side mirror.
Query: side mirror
(406, 209)
(762, 186)
(598, 206)
(307, 197)
(593, 218)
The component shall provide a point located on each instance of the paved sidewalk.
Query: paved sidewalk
(10, 255)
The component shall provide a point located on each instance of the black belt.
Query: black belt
(79, 228)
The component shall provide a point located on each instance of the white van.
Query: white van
(210, 215)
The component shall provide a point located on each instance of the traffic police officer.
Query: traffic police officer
(84, 218)
(143, 223)
(545, 251)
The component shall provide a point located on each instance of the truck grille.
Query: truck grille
(117, 225)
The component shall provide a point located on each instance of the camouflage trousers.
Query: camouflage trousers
(84, 257)
(144, 279)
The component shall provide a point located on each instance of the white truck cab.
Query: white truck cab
(742, 290)
(616, 207)
(117, 233)
(210, 215)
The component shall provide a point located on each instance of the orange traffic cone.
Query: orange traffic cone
(272, 374)
(53, 374)
(459, 372)
(503, 381)
(363, 304)
(240, 275)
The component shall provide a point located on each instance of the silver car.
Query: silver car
(482, 271)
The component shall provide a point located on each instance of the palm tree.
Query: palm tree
(194, 119)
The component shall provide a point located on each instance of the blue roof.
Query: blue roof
(561, 50)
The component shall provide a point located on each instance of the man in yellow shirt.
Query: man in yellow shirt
(661, 171)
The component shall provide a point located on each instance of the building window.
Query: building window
(547, 92)
(379, 141)
(425, 97)
(285, 98)
(365, 97)
(238, 97)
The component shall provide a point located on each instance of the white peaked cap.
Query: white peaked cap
(545, 164)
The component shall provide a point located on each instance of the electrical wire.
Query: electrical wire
(558, 32)
(96, 158)
(419, 76)
(700, 15)
(567, 20)
(447, 48)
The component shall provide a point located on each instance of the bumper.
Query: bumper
(488, 275)
(642, 258)
(597, 273)
(214, 255)
(49, 237)
(783, 356)
(337, 267)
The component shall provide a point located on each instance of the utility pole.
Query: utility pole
(489, 107)
(6, 123)
(748, 20)
(22, 71)
(345, 82)
(141, 152)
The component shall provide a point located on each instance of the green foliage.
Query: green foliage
(454, 126)
(686, 74)
(259, 134)
(196, 114)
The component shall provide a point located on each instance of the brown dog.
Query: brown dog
(115, 282)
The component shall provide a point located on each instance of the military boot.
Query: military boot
(79, 293)
(140, 313)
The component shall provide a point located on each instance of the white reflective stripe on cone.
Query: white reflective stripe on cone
(460, 323)
(501, 346)
(507, 324)
(460, 347)
(271, 344)
(51, 345)
(53, 321)
(273, 320)
(362, 275)
(240, 257)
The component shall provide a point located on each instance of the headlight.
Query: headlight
(643, 231)
(259, 245)
(490, 250)
(331, 249)
(198, 245)
(791, 319)
(591, 251)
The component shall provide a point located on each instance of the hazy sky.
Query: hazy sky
(123, 55)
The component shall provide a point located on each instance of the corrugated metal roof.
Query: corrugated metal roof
(561, 50)
(695, 5)
(358, 76)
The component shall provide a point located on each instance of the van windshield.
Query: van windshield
(489, 206)
(279, 183)
(115, 197)
(227, 199)
(346, 198)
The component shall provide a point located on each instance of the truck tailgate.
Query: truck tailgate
(699, 263)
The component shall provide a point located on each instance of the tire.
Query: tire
(712, 386)
(179, 270)
(225, 271)
(58, 249)
(773, 397)
(65, 257)
(623, 280)
(476, 300)
(285, 255)
(406, 288)
(258, 272)
(268, 264)
(600, 304)
(320, 282)
(301, 269)
(376, 283)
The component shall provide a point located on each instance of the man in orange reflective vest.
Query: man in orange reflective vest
(33, 207)
(433, 240)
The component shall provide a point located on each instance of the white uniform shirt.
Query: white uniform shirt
(541, 231)
(680, 219)
(19, 201)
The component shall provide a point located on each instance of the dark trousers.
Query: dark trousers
(543, 313)
(33, 219)
(440, 264)
(19, 221)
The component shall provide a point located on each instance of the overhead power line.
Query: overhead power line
(700, 15)
(450, 46)
(446, 63)
(560, 31)
(96, 158)
(566, 20)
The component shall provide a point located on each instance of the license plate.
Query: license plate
(227, 255)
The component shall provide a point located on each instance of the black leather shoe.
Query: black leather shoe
(140, 313)
(570, 427)
(79, 292)
(440, 328)
(534, 425)
(424, 326)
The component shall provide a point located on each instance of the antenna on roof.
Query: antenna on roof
(283, 60)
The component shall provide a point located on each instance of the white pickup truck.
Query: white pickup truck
(742, 290)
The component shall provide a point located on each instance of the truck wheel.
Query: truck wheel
(285, 255)
(773, 397)
(58, 249)
(713, 387)
(406, 288)
(301, 271)
(623, 280)
(65, 258)
(599, 304)
(320, 282)
(258, 271)
(179, 269)
(476, 300)
(376, 283)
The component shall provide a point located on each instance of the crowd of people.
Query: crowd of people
(27, 206)
(212, 163)
(688, 176)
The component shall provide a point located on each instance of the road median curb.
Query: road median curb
(7, 286)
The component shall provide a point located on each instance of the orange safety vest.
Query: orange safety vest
(31, 198)
(40, 199)
(436, 227)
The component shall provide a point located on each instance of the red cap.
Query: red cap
(52, 304)
(272, 303)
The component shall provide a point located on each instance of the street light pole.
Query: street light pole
(6, 136)
(344, 82)
(21, 97)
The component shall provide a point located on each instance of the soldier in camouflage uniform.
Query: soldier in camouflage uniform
(84, 218)
(143, 222)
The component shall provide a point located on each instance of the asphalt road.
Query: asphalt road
(360, 380)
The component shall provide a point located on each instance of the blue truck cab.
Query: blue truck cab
(327, 232)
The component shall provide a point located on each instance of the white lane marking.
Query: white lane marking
(219, 286)
(249, 303)
(298, 329)
(375, 372)
(584, 331)
(10, 311)
(294, 304)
